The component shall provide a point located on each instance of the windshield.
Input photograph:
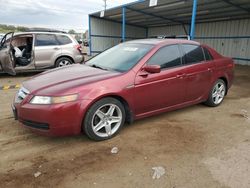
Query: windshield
(120, 58)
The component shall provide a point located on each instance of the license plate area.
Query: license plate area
(14, 110)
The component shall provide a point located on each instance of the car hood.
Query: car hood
(57, 81)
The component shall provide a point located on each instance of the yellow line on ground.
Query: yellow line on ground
(18, 86)
(6, 87)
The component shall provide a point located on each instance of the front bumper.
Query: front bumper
(52, 120)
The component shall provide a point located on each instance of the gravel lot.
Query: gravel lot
(197, 146)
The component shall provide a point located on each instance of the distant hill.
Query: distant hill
(8, 28)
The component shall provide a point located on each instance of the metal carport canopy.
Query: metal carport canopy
(176, 12)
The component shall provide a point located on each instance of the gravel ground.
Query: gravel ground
(197, 146)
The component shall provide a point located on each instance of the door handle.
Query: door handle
(56, 48)
(180, 76)
(209, 69)
(143, 74)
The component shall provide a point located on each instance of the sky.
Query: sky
(56, 14)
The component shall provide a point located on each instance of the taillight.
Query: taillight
(78, 47)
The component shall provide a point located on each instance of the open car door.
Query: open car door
(6, 54)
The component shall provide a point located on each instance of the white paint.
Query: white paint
(153, 3)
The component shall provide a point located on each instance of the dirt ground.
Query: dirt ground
(198, 146)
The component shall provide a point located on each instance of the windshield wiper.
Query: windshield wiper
(98, 67)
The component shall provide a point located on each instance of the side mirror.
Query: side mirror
(152, 69)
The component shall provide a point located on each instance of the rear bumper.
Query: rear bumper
(52, 120)
(79, 58)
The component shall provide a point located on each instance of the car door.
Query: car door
(161, 90)
(198, 72)
(6, 54)
(46, 50)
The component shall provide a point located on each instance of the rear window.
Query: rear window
(207, 54)
(193, 53)
(46, 40)
(63, 39)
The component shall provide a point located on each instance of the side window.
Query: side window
(208, 56)
(166, 57)
(63, 39)
(193, 53)
(46, 40)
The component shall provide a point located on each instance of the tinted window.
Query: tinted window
(62, 39)
(166, 57)
(121, 57)
(207, 54)
(46, 40)
(193, 53)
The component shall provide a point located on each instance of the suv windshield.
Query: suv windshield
(120, 58)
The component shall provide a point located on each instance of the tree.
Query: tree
(22, 29)
(72, 31)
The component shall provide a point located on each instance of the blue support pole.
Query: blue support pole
(90, 45)
(123, 24)
(192, 31)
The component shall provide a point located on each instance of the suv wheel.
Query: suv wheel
(63, 61)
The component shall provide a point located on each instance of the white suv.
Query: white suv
(38, 50)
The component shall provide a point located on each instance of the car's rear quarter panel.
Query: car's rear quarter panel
(223, 67)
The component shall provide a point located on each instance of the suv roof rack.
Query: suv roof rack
(44, 30)
(172, 37)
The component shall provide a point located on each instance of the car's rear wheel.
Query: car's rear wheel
(217, 94)
(104, 119)
(63, 61)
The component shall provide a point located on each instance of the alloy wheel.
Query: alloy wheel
(218, 93)
(64, 63)
(106, 120)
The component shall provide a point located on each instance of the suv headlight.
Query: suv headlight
(53, 100)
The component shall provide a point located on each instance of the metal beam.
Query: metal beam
(161, 17)
(123, 24)
(184, 27)
(115, 21)
(154, 15)
(192, 31)
(90, 45)
(237, 6)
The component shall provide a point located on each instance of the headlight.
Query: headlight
(40, 100)
(53, 100)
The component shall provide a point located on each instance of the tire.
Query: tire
(63, 61)
(98, 124)
(217, 93)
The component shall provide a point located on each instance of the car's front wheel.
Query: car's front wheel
(104, 119)
(217, 93)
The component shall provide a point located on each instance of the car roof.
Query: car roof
(39, 32)
(163, 41)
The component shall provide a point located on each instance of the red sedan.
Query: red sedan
(130, 81)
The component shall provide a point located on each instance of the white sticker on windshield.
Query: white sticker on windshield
(130, 49)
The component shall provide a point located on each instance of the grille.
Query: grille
(21, 95)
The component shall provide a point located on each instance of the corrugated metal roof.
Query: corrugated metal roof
(174, 12)
(163, 41)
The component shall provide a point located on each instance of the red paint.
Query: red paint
(146, 94)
